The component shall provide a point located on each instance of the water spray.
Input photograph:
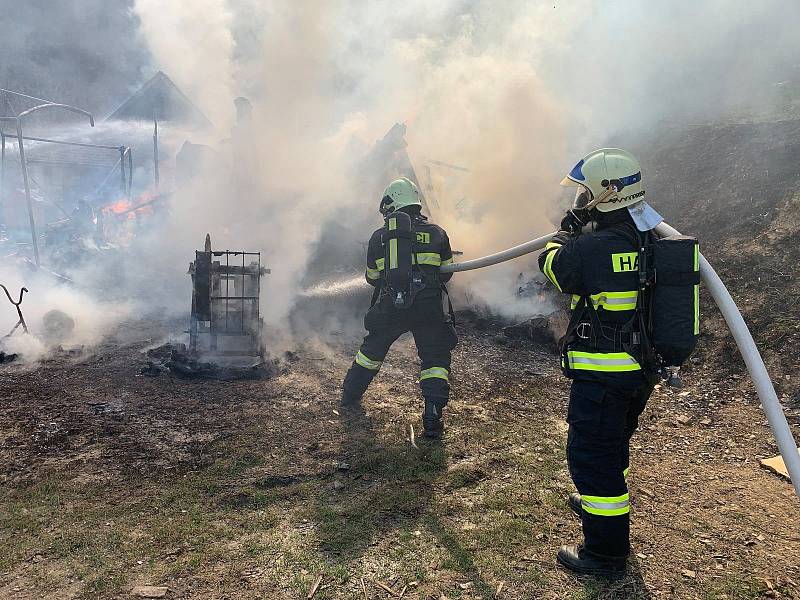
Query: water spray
(744, 340)
(335, 288)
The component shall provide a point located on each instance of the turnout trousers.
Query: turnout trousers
(434, 336)
(602, 419)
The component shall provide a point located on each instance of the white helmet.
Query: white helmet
(399, 193)
(613, 179)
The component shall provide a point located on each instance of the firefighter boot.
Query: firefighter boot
(350, 400)
(432, 423)
(574, 502)
(576, 559)
(355, 384)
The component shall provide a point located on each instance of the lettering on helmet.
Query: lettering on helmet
(625, 198)
(423, 237)
(623, 262)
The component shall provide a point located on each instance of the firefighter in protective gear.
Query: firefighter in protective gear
(433, 330)
(600, 354)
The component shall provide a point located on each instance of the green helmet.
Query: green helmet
(401, 192)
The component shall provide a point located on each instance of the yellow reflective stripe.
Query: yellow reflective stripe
(548, 269)
(447, 261)
(393, 253)
(368, 363)
(697, 291)
(439, 372)
(429, 258)
(606, 506)
(615, 300)
(373, 273)
(625, 472)
(379, 263)
(602, 361)
(551, 245)
(392, 224)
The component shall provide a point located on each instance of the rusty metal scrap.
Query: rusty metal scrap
(16, 304)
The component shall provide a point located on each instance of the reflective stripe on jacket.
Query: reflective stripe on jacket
(431, 250)
(601, 266)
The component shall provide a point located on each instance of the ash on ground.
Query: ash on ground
(175, 359)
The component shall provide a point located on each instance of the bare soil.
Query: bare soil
(254, 489)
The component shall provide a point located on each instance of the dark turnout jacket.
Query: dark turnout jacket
(431, 250)
(600, 270)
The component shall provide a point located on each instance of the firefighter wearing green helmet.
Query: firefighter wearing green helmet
(403, 261)
(601, 351)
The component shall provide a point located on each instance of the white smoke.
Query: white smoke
(193, 42)
(515, 92)
(88, 319)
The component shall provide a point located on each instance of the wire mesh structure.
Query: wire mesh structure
(60, 160)
(226, 290)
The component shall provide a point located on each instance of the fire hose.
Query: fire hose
(741, 334)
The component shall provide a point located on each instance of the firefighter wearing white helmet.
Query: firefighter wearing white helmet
(403, 266)
(398, 194)
(600, 351)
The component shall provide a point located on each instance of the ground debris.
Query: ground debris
(7, 357)
(315, 587)
(177, 360)
(543, 330)
(386, 588)
(150, 591)
(776, 465)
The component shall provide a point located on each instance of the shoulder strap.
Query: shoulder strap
(449, 305)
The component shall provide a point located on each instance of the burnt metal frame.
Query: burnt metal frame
(229, 272)
(17, 120)
(125, 155)
(125, 159)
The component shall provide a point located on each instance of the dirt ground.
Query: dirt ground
(254, 489)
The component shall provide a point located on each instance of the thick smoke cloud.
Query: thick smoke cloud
(194, 42)
(81, 52)
(514, 92)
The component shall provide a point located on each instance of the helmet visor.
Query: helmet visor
(582, 197)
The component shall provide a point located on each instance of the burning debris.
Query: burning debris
(225, 327)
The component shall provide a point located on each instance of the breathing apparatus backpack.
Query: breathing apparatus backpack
(403, 281)
(664, 329)
(671, 271)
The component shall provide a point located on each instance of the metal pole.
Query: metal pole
(24, 166)
(130, 172)
(155, 150)
(30, 138)
(2, 176)
(122, 183)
